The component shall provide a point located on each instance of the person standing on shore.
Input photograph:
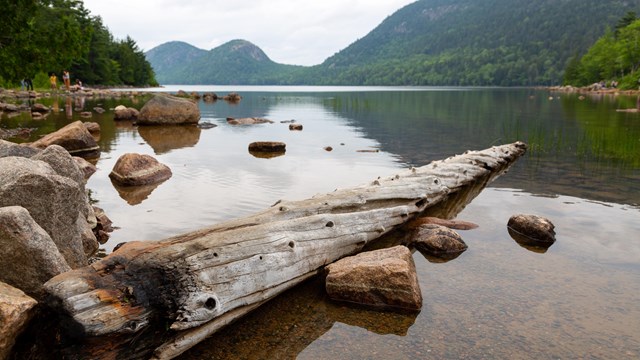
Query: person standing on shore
(28, 84)
(67, 79)
(53, 80)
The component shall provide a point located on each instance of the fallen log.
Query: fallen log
(198, 282)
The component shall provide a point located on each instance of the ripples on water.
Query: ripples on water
(579, 299)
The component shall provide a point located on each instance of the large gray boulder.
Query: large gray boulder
(28, 256)
(381, 278)
(166, 109)
(57, 203)
(16, 310)
(61, 162)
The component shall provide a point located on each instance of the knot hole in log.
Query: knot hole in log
(330, 224)
(210, 303)
(292, 244)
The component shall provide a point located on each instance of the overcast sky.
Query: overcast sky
(289, 32)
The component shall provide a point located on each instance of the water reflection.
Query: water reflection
(578, 300)
(169, 137)
(285, 326)
(135, 195)
(529, 243)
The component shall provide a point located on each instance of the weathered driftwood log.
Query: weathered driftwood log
(200, 281)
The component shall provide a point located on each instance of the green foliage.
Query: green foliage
(615, 56)
(38, 36)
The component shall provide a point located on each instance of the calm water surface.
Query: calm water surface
(578, 300)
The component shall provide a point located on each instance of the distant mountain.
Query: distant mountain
(169, 56)
(235, 62)
(432, 42)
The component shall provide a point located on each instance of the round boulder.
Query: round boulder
(136, 169)
(122, 112)
(166, 109)
(438, 241)
(531, 230)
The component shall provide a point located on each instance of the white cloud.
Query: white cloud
(290, 32)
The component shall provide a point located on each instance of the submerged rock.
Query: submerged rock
(136, 169)
(451, 224)
(248, 121)
(382, 278)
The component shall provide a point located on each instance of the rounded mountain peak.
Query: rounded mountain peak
(245, 48)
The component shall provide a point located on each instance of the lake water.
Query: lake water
(579, 299)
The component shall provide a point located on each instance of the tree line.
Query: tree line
(613, 58)
(39, 37)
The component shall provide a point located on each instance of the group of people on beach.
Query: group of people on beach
(66, 78)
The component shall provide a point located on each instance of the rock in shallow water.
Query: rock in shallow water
(532, 230)
(136, 169)
(75, 138)
(438, 241)
(165, 109)
(382, 278)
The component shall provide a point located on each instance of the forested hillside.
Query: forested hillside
(438, 42)
(469, 42)
(169, 57)
(38, 37)
(614, 58)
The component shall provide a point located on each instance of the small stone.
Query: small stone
(438, 241)
(267, 146)
(532, 230)
(295, 127)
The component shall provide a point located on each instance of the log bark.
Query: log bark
(198, 282)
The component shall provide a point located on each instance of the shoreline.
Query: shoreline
(591, 90)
